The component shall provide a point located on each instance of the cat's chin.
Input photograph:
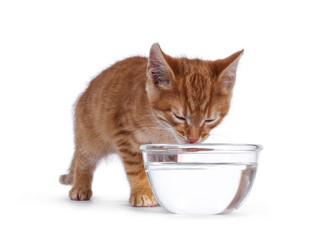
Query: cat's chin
(187, 142)
(184, 141)
(198, 142)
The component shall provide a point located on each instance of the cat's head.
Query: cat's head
(189, 97)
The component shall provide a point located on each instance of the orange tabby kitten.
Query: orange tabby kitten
(141, 100)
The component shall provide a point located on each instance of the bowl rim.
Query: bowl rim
(207, 147)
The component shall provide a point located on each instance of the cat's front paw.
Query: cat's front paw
(80, 193)
(142, 198)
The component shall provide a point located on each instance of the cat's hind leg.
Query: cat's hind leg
(82, 168)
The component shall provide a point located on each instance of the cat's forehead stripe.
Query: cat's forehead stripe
(197, 90)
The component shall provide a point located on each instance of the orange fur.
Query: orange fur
(141, 100)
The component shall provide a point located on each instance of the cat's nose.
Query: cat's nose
(192, 140)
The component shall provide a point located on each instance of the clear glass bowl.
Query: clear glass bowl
(200, 178)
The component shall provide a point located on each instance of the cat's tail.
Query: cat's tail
(66, 179)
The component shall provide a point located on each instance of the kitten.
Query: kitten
(141, 100)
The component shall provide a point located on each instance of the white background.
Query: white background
(50, 50)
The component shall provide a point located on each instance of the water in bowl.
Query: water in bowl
(208, 188)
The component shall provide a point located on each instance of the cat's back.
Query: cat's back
(119, 84)
(125, 73)
(120, 80)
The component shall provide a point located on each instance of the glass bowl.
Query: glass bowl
(200, 178)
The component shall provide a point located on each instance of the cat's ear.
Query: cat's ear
(158, 70)
(227, 77)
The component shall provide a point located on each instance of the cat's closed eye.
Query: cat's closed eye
(209, 120)
(180, 118)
